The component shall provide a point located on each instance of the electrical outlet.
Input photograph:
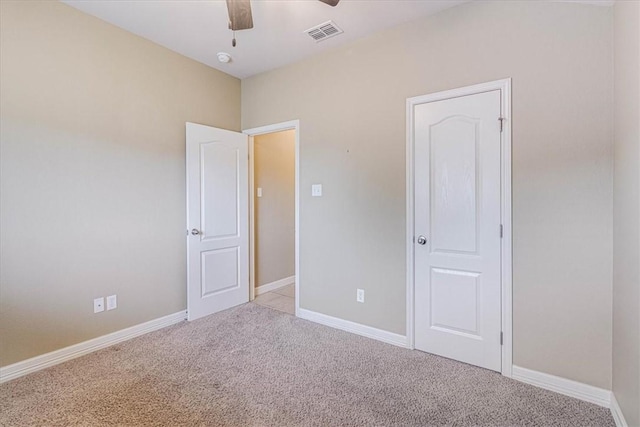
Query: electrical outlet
(98, 305)
(259, 192)
(112, 302)
(360, 295)
(316, 190)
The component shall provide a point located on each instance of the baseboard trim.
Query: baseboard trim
(616, 411)
(354, 328)
(588, 393)
(19, 369)
(268, 287)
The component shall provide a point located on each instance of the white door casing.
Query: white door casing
(217, 220)
(458, 205)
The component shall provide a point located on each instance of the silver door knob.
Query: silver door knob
(422, 240)
(195, 232)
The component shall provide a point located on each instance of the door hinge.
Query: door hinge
(501, 120)
(501, 338)
(501, 231)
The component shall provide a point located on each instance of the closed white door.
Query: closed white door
(217, 220)
(457, 225)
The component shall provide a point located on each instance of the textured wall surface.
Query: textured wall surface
(93, 174)
(351, 106)
(626, 210)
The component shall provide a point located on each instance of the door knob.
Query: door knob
(195, 232)
(422, 240)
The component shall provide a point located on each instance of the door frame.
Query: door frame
(504, 86)
(277, 127)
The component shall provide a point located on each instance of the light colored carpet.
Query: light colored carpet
(253, 366)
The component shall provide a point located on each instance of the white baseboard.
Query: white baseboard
(570, 388)
(354, 328)
(275, 285)
(38, 363)
(616, 411)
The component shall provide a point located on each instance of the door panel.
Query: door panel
(219, 271)
(217, 213)
(457, 208)
(453, 185)
(454, 301)
(219, 190)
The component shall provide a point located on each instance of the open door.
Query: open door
(217, 220)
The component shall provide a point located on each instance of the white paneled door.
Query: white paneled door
(457, 210)
(217, 220)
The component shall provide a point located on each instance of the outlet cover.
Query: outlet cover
(316, 190)
(112, 302)
(360, 295)
(98, 305)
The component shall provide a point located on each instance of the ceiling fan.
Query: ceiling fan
(240, 14)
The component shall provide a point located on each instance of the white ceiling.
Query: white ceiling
(198, 28)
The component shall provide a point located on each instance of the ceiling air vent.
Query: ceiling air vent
(323, 31)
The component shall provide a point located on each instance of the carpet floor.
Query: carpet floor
(254, 366)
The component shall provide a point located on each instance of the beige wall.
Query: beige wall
(93, 174)
(351, 106)
(274, 172)
(626, 198)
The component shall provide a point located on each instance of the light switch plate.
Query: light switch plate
(112, 302)
(259, 192)
(316, 190)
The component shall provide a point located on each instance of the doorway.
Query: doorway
(220, 240)
(273, 216)
(273, 219)
(459, 225)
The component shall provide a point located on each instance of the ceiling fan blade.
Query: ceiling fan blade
(239, 14)
(331, 3)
